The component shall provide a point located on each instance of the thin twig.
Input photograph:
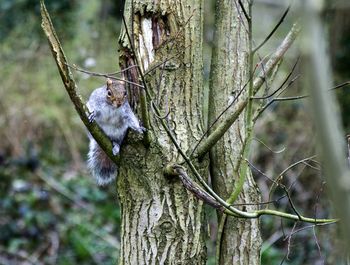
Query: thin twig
(290, 201)
(306, 96)
(217, 119)
(283, 83)
(289, 240)
(70, 85)
(230, 210)
(263, 108)
(295, 164)
(189, 184)
(262, 173)
(260, 203)
(144, 93)
(273, 30)
(108, 75)
(268, 148)
(309, 227)
(244, 11)
(225, 124)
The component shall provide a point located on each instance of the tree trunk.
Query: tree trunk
(162, 223)
(240, 239)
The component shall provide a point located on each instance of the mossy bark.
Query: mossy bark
(240, 239)
(162, 223)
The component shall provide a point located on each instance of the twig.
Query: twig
(309, 227)
(217, 119)
(317, 244)
(290, 201)
(144, 93)
(262, 173)
(279, 176)
(311, 166)
(230, 210)
(189, 184)
(283, 83)
(225, 124)
(263, 108)
(273, 30)
(155, 113)
(267, 147)
(70, 85)
(306, 96)
(244, 11)
(289, 240)
(260, 203)
(107, 75)
(295, 164)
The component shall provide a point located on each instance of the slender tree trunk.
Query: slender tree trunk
(240, 240)
(162, 223)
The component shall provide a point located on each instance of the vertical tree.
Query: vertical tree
(229, 74)
(162, 221)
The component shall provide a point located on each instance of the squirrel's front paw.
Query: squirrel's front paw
(138, 129)
(115, 149)
(91, 116)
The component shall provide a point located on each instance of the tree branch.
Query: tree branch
(225, 124)
(273, 30)
(70, 85)
(211, 198)
(107, 75)
(193, 187)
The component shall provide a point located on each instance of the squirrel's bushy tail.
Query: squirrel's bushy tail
(101, 166)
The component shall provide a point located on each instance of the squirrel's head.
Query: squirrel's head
(116, 92)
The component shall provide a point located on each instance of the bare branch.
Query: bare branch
(273, 30)
(189, 184)
(264, 107)
(107, 75)
(244, 11)
(283, 83)
(209, 195)
(280, 175)
(225, 124)
(70, 85)
(306, 96)
(269, 148)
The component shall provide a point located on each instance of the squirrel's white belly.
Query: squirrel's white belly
(114, 132)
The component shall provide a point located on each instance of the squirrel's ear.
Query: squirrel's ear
(109, 82)
(121, 82)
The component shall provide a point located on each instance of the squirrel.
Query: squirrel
(109, 107)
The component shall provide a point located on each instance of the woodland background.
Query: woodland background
(51, 211)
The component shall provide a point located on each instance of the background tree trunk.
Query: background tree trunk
(162, 223)
(240, 242)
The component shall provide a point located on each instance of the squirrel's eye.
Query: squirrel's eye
(109, 93)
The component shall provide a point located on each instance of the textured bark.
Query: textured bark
(162, 223)
(241, 241)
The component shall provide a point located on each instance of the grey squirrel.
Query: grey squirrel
(109, 107)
